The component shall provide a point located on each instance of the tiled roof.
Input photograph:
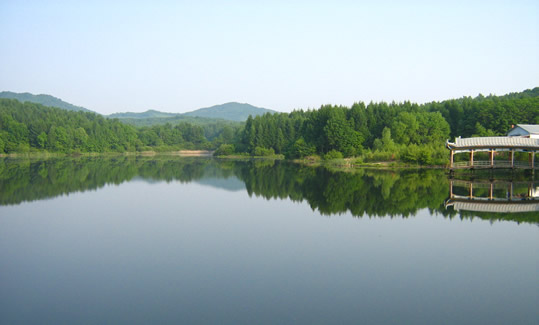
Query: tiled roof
(531, 128)
(496, 207)
(495, 142)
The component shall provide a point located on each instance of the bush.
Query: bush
(425, 155)
(382, 156)
(23, 147)
(333, 154)
(263, 152)
(225, 150)
(410, 153)
(300, 149)
(377, 155)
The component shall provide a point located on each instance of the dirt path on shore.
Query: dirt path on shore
(195, 153)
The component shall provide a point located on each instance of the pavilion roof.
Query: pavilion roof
(494, 142)
(532, 206)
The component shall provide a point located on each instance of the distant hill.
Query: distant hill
(175, 119)
(148, 114)
(230, 111)
(225, 113)
(45, 100)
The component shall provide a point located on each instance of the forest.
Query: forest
(29, 127)
(385, 131)
(406, 131)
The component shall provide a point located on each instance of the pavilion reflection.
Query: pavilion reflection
(495, 196)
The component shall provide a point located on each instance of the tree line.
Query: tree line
(385, 131)
(370, 132)
(28, 126)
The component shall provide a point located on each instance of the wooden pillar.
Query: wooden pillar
(533, 163)
(471, 158)
(451, 159)
(491, 158)
(511, 191)
(512, 157)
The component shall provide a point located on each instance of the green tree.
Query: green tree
(340, 134)
(387, 141)
(42, 140)
(480, 131)
(405, 128)
(80, 138)
(225, 150)
(301, 149)
(433, 128)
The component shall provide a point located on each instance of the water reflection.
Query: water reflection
(493, 196)
(363, 192)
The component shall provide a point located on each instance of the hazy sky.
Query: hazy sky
(178, 56)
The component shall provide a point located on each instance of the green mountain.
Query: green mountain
(230, 111)
(148, 114)
(45, 100)
(174, 120)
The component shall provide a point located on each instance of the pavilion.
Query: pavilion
(521, 143)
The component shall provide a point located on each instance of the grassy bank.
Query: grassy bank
(246, 156)
(355, 162)
(46, 154)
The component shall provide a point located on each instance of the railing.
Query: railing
(487, 164)
(496, 184)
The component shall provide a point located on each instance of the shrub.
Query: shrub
(225, 150)
(300, 149)
(263, 152)
(425, 156)
(333, 154)
(382, 156)
(410, 153)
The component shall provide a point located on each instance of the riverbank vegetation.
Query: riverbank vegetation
(28, 127)
(405, 132)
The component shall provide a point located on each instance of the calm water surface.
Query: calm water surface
(177, 240)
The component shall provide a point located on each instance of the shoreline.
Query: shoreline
(183, 153)
(346, 164)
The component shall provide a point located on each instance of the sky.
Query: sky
(178, 56)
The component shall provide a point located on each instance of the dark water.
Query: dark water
(191, 241)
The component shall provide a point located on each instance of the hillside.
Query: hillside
(230, 111)
(26, 127)
(148, 114)
(45, 100)
(174, 120)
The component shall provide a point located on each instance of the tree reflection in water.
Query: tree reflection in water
(362, 192)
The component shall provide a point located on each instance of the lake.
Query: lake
(171, 240)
